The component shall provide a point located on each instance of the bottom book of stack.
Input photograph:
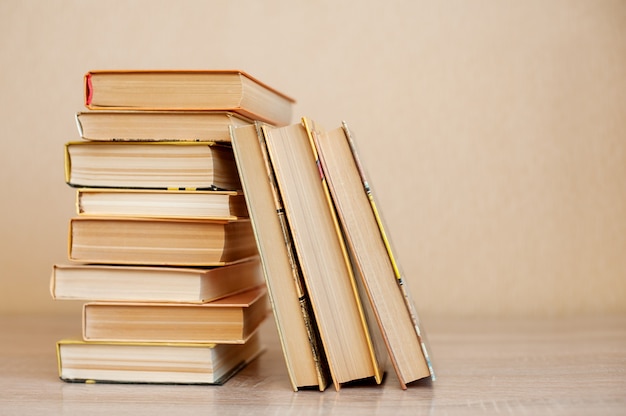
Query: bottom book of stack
(169, 363)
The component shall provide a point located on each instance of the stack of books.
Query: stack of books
(199, 207)
(162, 249)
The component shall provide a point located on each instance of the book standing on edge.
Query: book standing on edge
(370, 256)
(342, 324)
(297, 330)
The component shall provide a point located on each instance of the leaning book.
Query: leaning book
(373, 263)
(297, 329)
(343, 325)
(153, 363)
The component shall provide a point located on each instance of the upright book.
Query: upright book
(230, 320)
(151, 165)
(370, 255)
(297, 330)
(99, 282)
(160, 241)
(323, 258)
(222, 90)
(82, 361)
(202, 126)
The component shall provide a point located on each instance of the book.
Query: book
(92, 282)
(323, 258)
(225, 205)
(297, 330)
(223, 90)
(204, 126)
(160, 241)
(156, 165)
(229, 320)
(81, 361)
(370, 255)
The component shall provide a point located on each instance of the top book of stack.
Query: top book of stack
(189, 90)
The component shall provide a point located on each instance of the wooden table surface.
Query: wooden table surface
(563, 366)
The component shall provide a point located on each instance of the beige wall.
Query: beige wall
(494, 131)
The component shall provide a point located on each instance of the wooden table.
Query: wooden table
(563, 366)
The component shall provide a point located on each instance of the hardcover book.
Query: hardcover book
(230, 320)
(201, 126)
(98, 282)
(125, 202)
(221, 90)
(153, 363)
(160, 241)
(372, 259)
(152, 165)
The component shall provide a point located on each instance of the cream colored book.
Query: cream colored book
(203, 126)
(323, 257)
(97, 282)
(212, 90)
(220, 205)
(153, 165)
(297, 330)
(370, 256)
(160, 241)
(82, 361)
(230, 320)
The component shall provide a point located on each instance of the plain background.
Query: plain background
(494, 132)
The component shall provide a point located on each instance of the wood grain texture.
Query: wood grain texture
(567, 366)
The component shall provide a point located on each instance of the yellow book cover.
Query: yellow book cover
(151, 165)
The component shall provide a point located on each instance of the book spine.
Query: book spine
(88, 89)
